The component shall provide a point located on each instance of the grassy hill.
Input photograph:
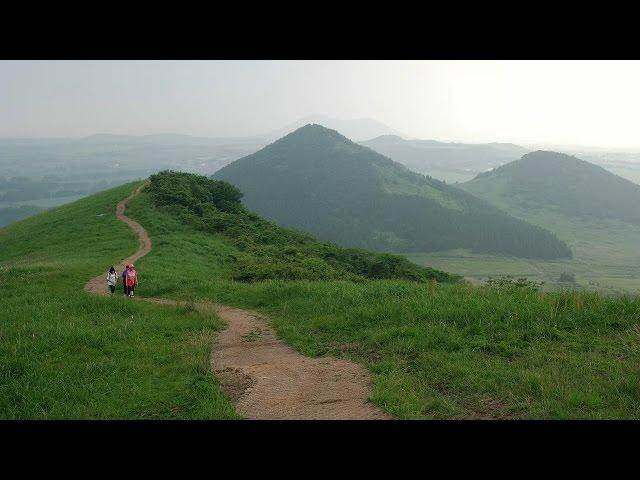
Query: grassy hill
(589, 208)
(561, 184)
(66, 354)
(452, 162)
(593, 210)
(316, 180)
(435, 350)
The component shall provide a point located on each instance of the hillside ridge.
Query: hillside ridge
(317, 180)
(319, 388)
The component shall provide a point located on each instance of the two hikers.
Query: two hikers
(129, 280)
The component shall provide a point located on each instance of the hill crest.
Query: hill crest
(551, 180)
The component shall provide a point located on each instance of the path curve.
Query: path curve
(264, 377)
(98, 285)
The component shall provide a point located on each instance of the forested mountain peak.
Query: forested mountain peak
(317, 180)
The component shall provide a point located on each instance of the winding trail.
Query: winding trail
(263, 376)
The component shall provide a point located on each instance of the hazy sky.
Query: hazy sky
(563, 102)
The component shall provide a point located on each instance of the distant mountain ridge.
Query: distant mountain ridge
(13, 214)
(318, 180)
(354, 129)
(163, 139)
(448, 161)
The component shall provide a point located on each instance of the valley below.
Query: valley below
(606, 258)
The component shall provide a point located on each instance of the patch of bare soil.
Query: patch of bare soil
(285, 384)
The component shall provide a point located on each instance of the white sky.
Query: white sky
(594, 103)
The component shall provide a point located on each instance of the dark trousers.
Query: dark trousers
(112, 288)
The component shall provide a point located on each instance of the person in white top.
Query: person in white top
(112, 278)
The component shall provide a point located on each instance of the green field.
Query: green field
(606, 257)
(615, 279)
(66, 354)
(435, 350)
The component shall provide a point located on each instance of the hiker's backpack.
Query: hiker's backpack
(131, 278)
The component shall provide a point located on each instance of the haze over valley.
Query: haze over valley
(319, 240)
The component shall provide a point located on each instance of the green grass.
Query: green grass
(606, 257)
(67, 354)
(605, 249)
(435, 350)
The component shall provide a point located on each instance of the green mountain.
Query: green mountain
(451, 162)
(596, 212)
(559, 183)
(317, 180)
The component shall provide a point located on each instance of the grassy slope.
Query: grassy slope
(445, 351)
(66, 354)
(605, 241)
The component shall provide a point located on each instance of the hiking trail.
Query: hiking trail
(264, 377)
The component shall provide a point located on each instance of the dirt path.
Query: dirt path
(265, 378)
(98, 285)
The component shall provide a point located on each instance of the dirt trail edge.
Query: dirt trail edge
(264, 377)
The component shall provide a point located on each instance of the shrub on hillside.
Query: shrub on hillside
(508, 282)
